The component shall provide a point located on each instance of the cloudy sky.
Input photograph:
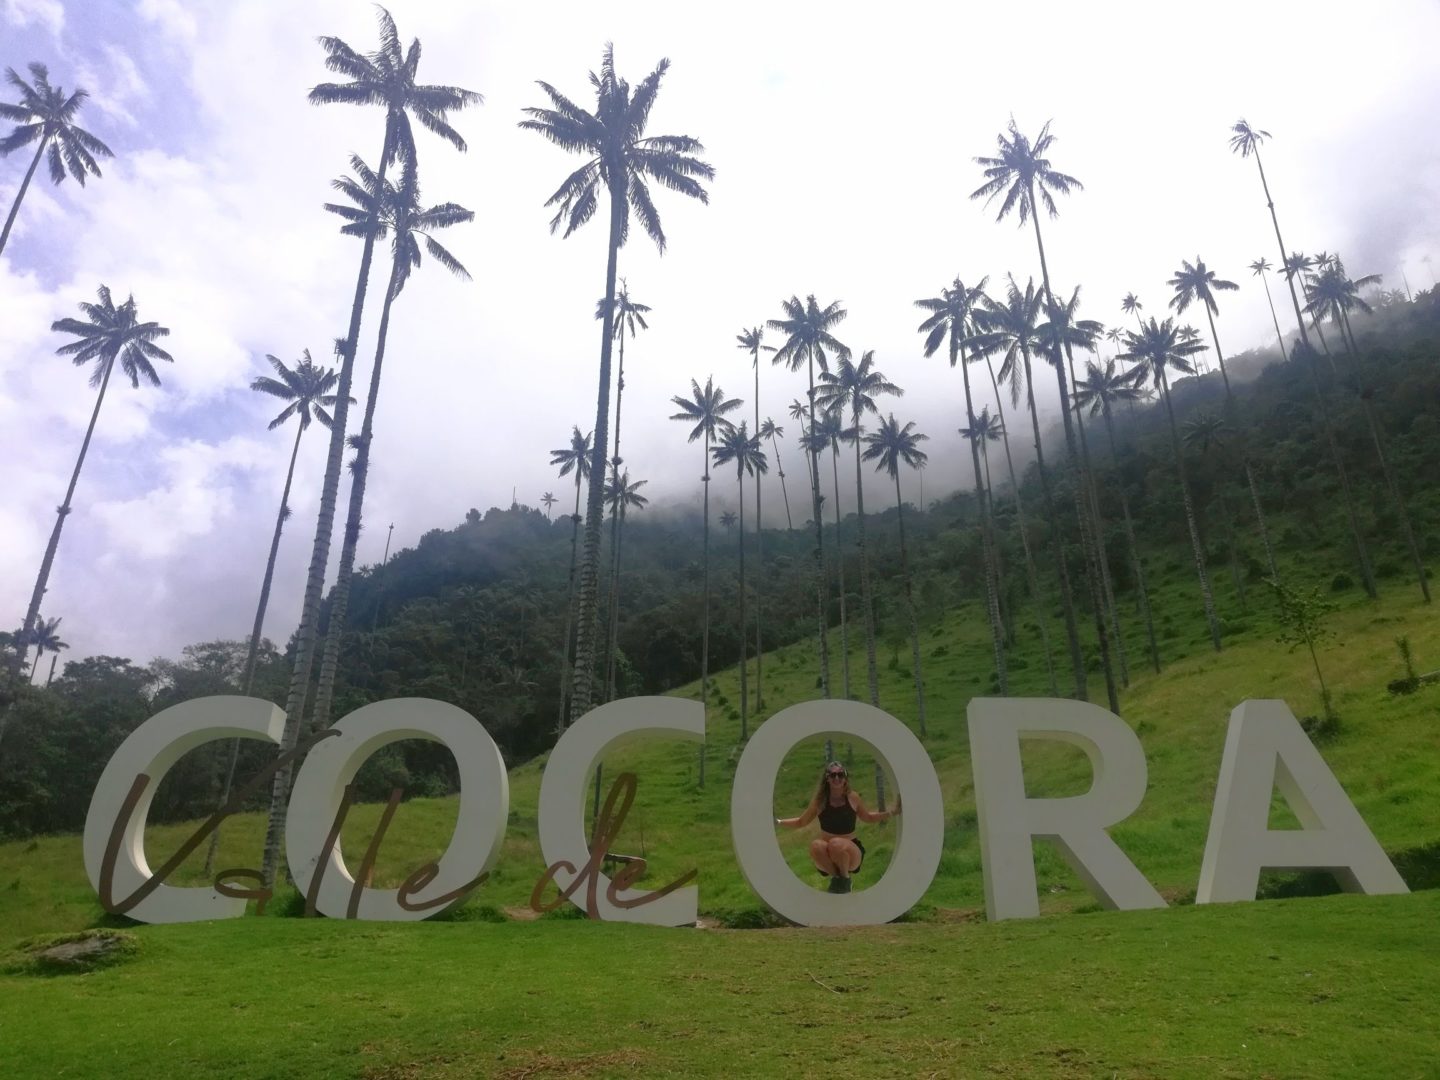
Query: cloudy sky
(843, 139)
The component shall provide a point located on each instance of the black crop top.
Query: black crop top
(838, 820)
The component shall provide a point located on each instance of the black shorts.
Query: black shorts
(856, 841)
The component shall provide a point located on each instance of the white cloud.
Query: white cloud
(47, 13)
(843, 150)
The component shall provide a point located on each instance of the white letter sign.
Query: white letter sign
(1266, 746)
(1009, 821)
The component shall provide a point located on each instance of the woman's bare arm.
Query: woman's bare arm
(804, 819)
(865, 814)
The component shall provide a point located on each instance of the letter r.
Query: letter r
(1009, 821)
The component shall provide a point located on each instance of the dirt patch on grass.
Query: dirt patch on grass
(584, 1065)
(72, 954)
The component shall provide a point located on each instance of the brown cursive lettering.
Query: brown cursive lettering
(158, 878)
(607, 829)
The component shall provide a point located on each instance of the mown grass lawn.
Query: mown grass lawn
(1330, 986)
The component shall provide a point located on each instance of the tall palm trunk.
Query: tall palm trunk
(812, 452)
(1102, 556)
(612, 667)
(1244, 455)
(19, 195)
(1279, 337)
(340, 593)
(1037, 597)
(759, 558)
(586, 628)
(306, 633)
(613, 623)
(744, 660)
(1141, 592)
(1087, 544)
(1362, 554)
(910, 607)
(866, 599)
(564, 718)
(705, 592)
(1195, 544)
(42, 580)
(840, 565)
(987, 530)
(254, 651)
(789, 521)
(1378, 437)
(1289, 279)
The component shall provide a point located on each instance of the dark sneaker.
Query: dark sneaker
(845, 883)
(837, 885)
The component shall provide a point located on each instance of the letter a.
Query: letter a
(1265, 746)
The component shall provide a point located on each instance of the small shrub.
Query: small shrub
(1341, 581)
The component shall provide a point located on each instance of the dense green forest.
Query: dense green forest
(476, 614)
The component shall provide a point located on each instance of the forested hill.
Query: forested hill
(476, 614)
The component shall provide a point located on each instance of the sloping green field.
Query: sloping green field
(1334, 985)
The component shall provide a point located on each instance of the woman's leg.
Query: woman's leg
(843, 855)
(820, 856)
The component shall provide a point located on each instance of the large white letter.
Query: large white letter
(319, 793)
(1265, 745)
(562, 802)
(151, 750)
(1009, 821)
(920, 828)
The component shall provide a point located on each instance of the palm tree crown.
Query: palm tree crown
(854, 387)
(1160, 346)
(1197, 283)
(1245, 140)
(1024, 174)
(621, 493)
(808, 333)
(1130, 304)
(46, 114)
(952, 315)
(1009, 326)
(1261, 266)
(628, 313)
(737, 445)
(110, 333)
(386, 77)
(1105, 386)
(305, 387)
(1063, 328)
(893, 444)
(574, 456)
(620, 155)
(707, 408)
(987, 428)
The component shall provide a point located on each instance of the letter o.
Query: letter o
(331, 766)
(920, 827)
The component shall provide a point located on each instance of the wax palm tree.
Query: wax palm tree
(1101, 388)
(986, 429)
(774, 432)
(951, 319)
(1197, 283)
(727, 519)
(1336, 295)
(307, 388)
(809, 340)
(752, 341)
(385, 78)
(1260, 268)
(891, 446)
(46, 638)
(620, 160)
(1206, 431)
(828, 431)
(1059, 334)
(1009, 327)
(45, 115)
(738, 446)
(576, 458)
(1158, 348)
(622, 495)
(1131, 305)
(1245, 140)
(706, 410)
(549, 500)
(399, 214)
(854, 387)
(798, 412)
(106, 334)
